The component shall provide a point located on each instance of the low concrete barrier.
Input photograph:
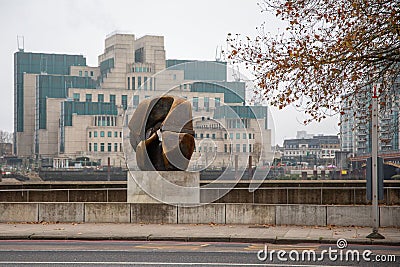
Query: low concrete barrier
(61, 212)
(301, 215)
(105, 212)
(214, 213)
(153, 213)
(390, 216)
(349, 215)
(19, 212)
(249, 214)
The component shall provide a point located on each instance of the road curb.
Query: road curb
(225, 239)
(252, 240)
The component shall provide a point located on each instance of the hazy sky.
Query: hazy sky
(192, 30)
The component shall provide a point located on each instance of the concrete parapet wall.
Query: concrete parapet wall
(301, 215)
(249, 214)
(153, 213)
(349, 215)
(107, 212)
(212, 213)
(61, 212)
(19, 212)
(390, 216)
(103, 212)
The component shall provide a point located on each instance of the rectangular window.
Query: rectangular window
(124, 101)
(249, 147)
(95, 147)
(237, 147)
(91, 73)
(207, 103)
(207, 135)
(129, 83)
(120, 134)
(115, 147)
(102, 147)
(244, 148)
(77, 97)
(90, 134)
(109, 134)
(213, 136)
(112, 99)
(201, 135)
(139, 82)
(115, 134)
(151, 84)
(95, 133)
(102, 134)
(90, 147)
(231, 136)
(145, 83)
(217, 101)
(100, 98)
(249, 135)
(226, 136)
(244, 135)
(237, 135)
(133, 83)
(135, 101)
(86, 73)
(109, 147)
(196, 103)
(80, 73)
(88, 97)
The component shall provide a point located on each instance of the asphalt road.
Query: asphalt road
(136, 253)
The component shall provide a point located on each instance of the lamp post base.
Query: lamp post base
(375, 235)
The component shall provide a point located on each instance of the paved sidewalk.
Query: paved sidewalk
(194, 232)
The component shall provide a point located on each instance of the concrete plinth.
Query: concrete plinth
(172, 187)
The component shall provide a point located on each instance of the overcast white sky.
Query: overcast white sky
(192, 30)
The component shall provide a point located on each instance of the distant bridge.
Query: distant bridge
(385, 155)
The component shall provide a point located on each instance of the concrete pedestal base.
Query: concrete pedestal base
(172, 187)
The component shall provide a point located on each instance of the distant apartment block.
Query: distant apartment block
(355, 132)
(319, 149)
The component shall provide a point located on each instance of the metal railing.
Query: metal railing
(29, 197)
(68, 190)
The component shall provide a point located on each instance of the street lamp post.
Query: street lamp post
(374, 153)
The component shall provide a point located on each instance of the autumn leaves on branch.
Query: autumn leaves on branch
(331, 51)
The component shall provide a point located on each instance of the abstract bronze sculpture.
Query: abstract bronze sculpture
(161, 133)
